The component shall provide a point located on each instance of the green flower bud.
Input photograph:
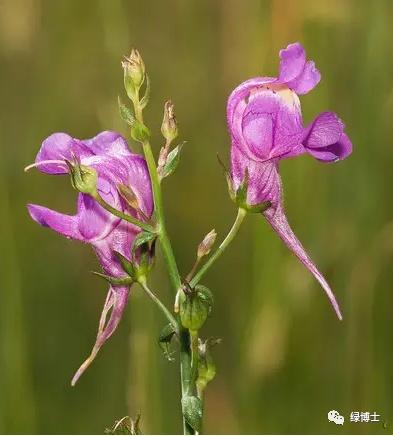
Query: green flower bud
(195, 308)
(134, 73)
(169, 124)
(83, 178)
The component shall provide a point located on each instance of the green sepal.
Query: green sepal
(206, 295)
(172, 161)
(241, 193)
(228, 178)
(127, 266)
(116, 281)
(83, 178)
(145, 244)
(164, 341)
(257, 208)
(141, 239)
(139, 132)
(193, 311)
(146, 97)
(192, 411)
(126, 113)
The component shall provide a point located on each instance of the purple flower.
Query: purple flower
(265, 123)
(110, 156)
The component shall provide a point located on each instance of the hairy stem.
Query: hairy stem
(241, 213)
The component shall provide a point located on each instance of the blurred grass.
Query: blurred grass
(285, 361)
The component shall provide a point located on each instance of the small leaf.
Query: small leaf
(125, 113)
(172, 161)
(165, 339)
(192, 411)
(242, 190)
(167, 333)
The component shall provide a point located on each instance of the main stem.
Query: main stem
(184, 338)
(241, 213)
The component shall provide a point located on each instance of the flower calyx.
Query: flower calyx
(195, 306)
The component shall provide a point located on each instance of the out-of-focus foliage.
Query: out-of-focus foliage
(285, 360)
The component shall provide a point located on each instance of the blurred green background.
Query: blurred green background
(285, 360)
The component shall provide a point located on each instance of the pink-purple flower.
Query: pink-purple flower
(111, 158)
(265, 123)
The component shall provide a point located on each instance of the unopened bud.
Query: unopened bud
(206, 245)
(83, 178)
(169, 123)
(134, 73)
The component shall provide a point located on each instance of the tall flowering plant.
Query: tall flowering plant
(120, 210)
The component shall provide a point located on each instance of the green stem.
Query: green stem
(122, 215)
(241, 213)
(173, 271)
(185, 371)
(194, 356)
(163, 308)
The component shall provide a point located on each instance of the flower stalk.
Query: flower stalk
(169, 257)
(241, 213)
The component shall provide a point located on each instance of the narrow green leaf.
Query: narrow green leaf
(125, 113)
(192, 411)
(164, 340)
(172, 161)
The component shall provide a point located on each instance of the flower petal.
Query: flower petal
(66, 225)
(325, 139)
(119, 240)
(334, 152)
(57, 147)
(107, 143)
(240, 93)
(326, 129)
(277, 219)
(307, 80)
(139, 181)
(115, 302)
(263, 177)
(292, 62)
